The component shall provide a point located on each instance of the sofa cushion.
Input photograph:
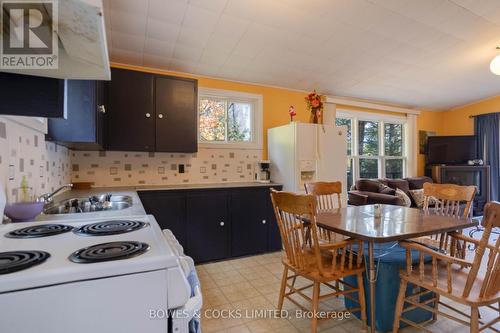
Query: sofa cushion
(399, 183)
(379, 198)
(416, 183)
(368, 185)
(387, 190)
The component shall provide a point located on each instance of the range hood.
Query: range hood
(81, 39)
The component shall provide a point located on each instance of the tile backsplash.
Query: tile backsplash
(24, 152)
(112, 168)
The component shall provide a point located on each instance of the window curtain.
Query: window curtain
(487, 132)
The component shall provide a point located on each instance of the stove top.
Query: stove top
(113, 227)
(108, 251)
(14, 261)
(143, 250)
(36, 231)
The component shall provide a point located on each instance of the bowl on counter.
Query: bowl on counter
(23, 211)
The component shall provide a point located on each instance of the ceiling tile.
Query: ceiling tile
(216, 6)
(162, 30)
(193, 37)
(157, 47)
(127, 42)
(128, 23)
(171, 11)
(200, 18)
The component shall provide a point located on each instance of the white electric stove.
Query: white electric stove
(113, 275)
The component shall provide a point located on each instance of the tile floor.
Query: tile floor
(252, 284)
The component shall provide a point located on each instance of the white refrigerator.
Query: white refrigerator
(301, 153)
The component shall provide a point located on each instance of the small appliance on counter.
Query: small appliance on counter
(262, 172)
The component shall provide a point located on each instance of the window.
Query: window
(229, 119)
(379, 145)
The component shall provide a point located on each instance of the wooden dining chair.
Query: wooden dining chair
(321, 264)
(327, 198)
(473, 283)
(450, 200)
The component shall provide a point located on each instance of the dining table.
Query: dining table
(386, 223)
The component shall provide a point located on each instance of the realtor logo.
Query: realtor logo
(29, 35)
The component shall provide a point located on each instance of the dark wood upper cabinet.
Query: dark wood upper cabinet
(176, 112)
(85, 110)
(149, 112)
(130, 120)
(33, 96)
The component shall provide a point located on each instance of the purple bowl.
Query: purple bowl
(23, 211)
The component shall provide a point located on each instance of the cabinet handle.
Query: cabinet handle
(221, 223)
(148, 115)
(102, 109)
(264, 221)
(160, 116)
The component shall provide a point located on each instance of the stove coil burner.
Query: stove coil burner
(109, 251)
(14, 261)
(109, 228)
(36, 231)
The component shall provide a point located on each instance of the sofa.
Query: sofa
(383, 191)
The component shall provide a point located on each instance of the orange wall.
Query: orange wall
(457, 121)
(277, 101)
(427, 121)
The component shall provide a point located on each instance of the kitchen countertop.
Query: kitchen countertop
(137, 208)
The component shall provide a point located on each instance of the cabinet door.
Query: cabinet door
(207, 226)
(33, 96)
(82, 128)
(169, 210)
(176, 114)
(130, 117)
(249, 217)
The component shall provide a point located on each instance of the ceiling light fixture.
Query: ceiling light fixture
(495, 64)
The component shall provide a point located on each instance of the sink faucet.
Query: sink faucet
(47, 197)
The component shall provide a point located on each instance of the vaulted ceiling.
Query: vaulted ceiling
(419, 53)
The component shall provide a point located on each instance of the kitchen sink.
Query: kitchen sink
(96, 203)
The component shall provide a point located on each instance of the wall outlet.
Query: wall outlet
(181, 168)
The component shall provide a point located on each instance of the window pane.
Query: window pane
(346, 122)
(368, 168)
(349, 174)
(393, 139)
(368, 138)
(394, 168)
(239, 121)
(212, 120)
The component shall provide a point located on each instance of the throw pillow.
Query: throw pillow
(403, 197)
(418, 197)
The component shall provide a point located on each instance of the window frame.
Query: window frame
(235, 96)
(381, 119)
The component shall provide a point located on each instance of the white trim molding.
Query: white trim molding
(257, 119)
(370, 105)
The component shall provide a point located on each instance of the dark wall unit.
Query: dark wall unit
(466, 175)
(85, 111)
(150, 112)
(130, 120)
(33, 96)
(213, 224)
(176, 122)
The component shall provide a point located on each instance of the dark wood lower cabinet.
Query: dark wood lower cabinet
(250, 220)
(207, 226)
(215, 224)
(169, 210)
